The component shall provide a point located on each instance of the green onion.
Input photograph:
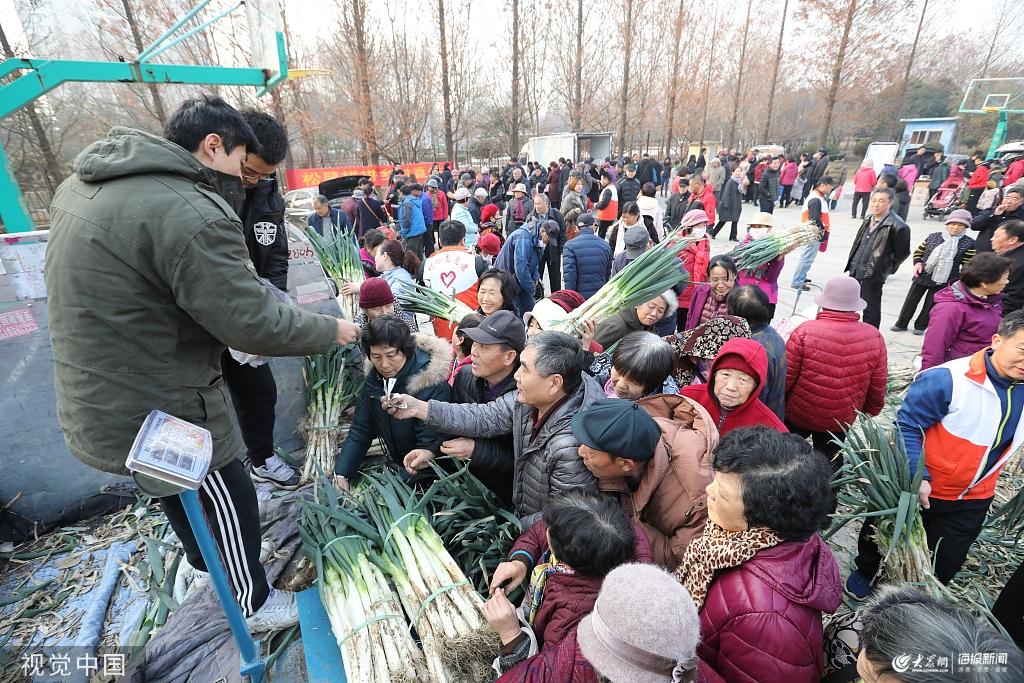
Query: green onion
(438, 600)
(419, 299)
(338, 252)
(652, 273)
(333, 380)
(773, 245)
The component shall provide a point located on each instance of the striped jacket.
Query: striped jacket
(953, 412)
(964, 254)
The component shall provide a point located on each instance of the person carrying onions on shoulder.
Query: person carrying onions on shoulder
(766, 275)
(561, 560)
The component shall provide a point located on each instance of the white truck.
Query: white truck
(575, 146)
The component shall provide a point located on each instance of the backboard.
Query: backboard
(990, 95)
(267, 35)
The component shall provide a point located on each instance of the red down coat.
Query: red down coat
(835, 366)
(761, 621)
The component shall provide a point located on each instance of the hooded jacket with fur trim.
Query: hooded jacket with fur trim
(752, 412)
(425, 376)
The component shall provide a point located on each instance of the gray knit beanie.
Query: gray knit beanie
(643, 629)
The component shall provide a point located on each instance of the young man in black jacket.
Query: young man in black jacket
(253, 390)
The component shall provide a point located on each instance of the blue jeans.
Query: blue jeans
(810, 252)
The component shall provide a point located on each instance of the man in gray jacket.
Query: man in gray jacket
(551, 388)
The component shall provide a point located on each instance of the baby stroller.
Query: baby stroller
(946, 199)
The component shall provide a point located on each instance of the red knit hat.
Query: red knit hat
(375, 292)
(487, 213)
(568, 299)
(490, 243)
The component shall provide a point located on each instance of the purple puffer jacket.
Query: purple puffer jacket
(960, 324)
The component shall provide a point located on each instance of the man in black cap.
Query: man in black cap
(627, 446)
(629, 187)
(637, 240)
(497, 343)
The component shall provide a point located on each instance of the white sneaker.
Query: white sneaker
(278, 612)
(277, 472)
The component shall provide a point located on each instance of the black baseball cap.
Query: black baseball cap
(500, 327)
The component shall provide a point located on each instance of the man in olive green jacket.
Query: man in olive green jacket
(149, 279)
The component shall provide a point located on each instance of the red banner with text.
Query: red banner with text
(311, 177)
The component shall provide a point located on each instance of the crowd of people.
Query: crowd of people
(671, 465)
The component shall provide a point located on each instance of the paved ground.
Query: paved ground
(903, 345)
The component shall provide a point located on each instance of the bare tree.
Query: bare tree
(673, 87)
(739, 76)
(837, 71)
(577, 71)
(354, 31)
(516, 104)
(54, 172)
(627, 49)
(707, 86)
(446, 89)
(154, 91)
(906, 74)
(775, 75)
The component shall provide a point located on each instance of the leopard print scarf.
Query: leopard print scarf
(719, 549)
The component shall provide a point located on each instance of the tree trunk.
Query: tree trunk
(54, 174)
(515, 80)
(906, 74)
(707, 89)
(677, 35)
(739, 77)
(775, 78)
(277, 103)
(371, 155)
(154, 91)
(627, 38)
(837, 71)
(577, 73)
(446, 89)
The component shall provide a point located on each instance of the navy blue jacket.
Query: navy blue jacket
(338, 218)
(773, 393)
(520, 256)
(586, 263)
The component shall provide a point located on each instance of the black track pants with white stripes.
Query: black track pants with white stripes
(229, 501)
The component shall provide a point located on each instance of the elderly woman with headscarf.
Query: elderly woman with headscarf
(761, 575)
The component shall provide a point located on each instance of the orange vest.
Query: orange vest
(610, 212)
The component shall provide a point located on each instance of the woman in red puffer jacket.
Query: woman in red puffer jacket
(761, 576)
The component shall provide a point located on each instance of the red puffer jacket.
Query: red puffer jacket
(835, 366)
(761, 621)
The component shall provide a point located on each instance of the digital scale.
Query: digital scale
(178, 452)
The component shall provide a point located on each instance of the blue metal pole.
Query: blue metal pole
(252, 665)
(13, 212)
(174, 27)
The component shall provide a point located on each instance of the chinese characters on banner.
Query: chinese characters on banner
(311, 177)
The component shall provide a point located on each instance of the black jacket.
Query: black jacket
(645, 171)
(262, 217)
(629, 190)
(769, 188)
(493, 459)
(986, 223)
(890, 247)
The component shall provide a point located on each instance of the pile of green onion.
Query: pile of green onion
(338, 252)
(439, 602)
(875, 482)
(652, 273)
(778, 242)
(333, 380)
(419, 299)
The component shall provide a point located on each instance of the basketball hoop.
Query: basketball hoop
(991, 110)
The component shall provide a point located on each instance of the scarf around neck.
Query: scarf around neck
(719, 549)
(940, 261)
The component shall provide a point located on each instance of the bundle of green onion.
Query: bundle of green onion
(875, 481)
(655, 271)
(338, 252)
(419, 299)
(778, 242)
(365, 612)
(439, 601)
(333, 380)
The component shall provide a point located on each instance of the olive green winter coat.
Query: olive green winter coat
(148, 279)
